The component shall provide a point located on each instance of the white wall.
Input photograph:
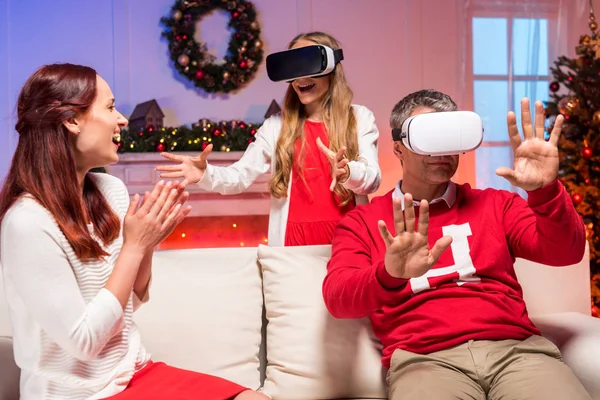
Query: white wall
(391, 47)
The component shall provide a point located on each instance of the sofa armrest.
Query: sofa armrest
(9, 378)
(578, 338)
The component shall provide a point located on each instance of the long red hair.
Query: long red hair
(43, 164)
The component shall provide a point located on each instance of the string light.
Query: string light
(235, 225)
(183, 235)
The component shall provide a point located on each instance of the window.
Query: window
(509, 60)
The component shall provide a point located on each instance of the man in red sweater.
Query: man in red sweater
(440, 289)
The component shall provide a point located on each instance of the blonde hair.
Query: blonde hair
(338, 116)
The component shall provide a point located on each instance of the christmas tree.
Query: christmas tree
(575, 93)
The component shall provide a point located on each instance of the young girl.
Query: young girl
(322, 151)
(73, 277)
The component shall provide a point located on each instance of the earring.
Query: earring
(78, 130)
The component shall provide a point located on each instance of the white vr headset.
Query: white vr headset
(441, 133)
(302, 62)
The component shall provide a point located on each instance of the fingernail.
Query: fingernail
(161, 182)
(174, 191)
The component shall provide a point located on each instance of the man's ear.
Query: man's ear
(73, 126)
(398, 150)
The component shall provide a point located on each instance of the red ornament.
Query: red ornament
(595, 312)
(216, 132)
(160, 147)
(141, 133)
(184, 37)
(248, 5)
(554, 86)
(586, 152)
(251, 140)
(243, 64)
(199, 74)
(177, 37)
(253, 132)
(577, 198)
(236, 14)
(242, 125)
(204, 144)
(150, 128)
(587, 181)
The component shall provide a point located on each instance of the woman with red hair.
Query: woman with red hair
(76, 254)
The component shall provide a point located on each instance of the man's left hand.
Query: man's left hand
(535, 159)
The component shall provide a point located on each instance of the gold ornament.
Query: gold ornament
(183, 60)
(226, 75)
(258, 44)
(585, 40)
(596, 119)
(242, 50)
(569, 106)
(254, 25)
(194, 63)
(223, 148)
(177, 15)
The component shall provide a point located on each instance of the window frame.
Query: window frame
(510, 11)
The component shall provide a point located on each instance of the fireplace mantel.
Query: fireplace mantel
(138, 171)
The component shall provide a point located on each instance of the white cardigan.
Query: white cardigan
(365, 175)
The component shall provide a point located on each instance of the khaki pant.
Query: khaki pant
(528, 369)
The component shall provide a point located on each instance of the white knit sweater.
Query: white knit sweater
(72, 339)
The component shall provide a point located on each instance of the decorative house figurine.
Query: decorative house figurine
(273, 109)
(147, 114)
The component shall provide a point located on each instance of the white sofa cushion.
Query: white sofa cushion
(311, 355)
(205, 312)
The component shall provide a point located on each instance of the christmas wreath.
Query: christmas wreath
(192, 59)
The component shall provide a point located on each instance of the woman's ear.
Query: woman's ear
(72, 126)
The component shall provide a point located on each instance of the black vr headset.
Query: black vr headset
(303, 62)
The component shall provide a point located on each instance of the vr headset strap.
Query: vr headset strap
(397, 134)
(338, 55)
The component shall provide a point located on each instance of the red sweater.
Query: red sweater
(472, 293)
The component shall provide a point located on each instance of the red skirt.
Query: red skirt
(158, 381)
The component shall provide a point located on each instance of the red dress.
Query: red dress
(314, 210)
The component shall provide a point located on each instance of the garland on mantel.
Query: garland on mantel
(224, 135)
